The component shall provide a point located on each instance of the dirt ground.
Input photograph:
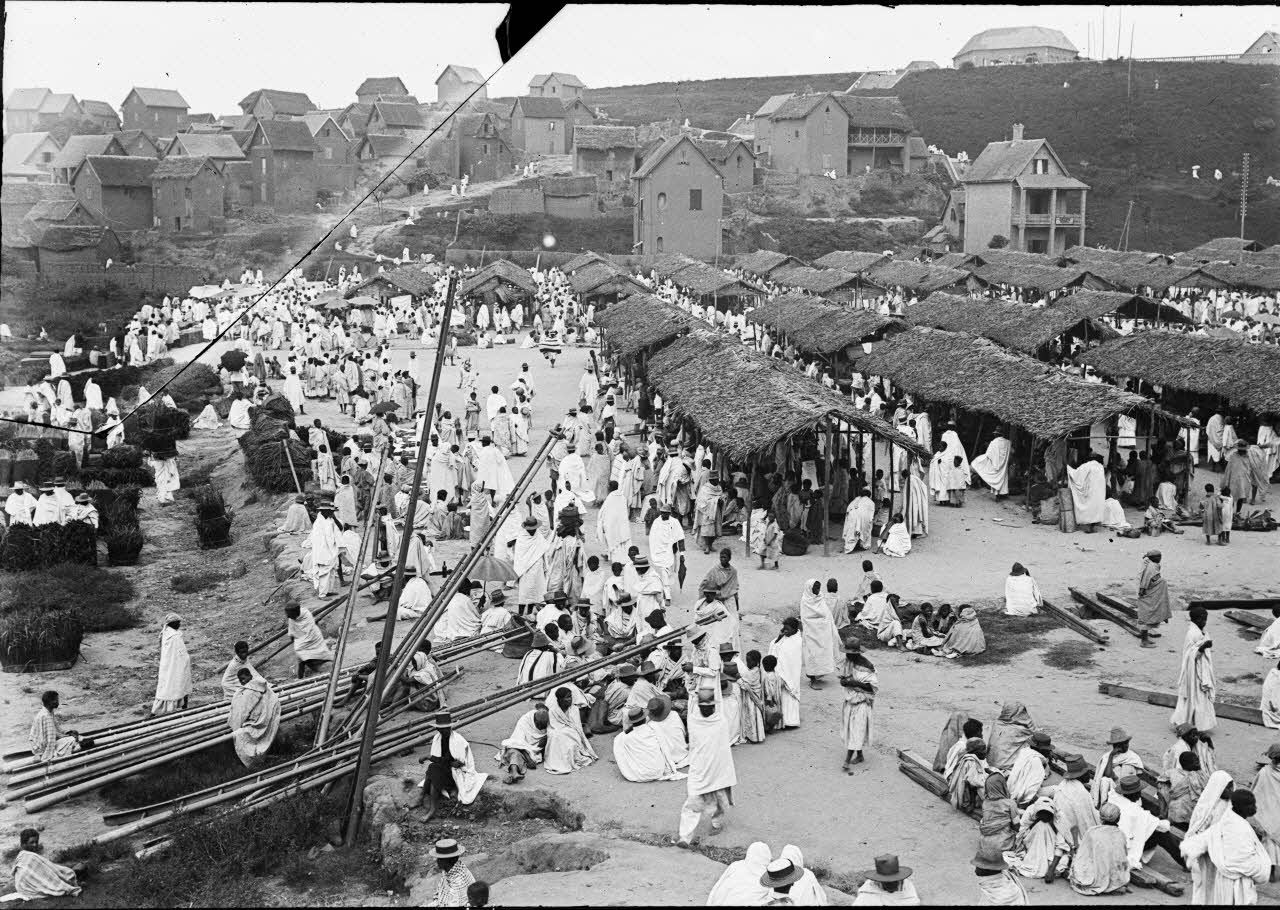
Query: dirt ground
(791, 789)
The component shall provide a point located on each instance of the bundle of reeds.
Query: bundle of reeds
(38, 641)
(156, 428)
(122, 456)
(213, 519)
(274, 470)
(116, 478)
(276, 406)
(80, 543)
(20, 548)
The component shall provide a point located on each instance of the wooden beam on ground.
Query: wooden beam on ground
(1122, 606)
(1243, 603)
(1091, 605)
(1252, 622)
(1168, 700)
(1075, 623)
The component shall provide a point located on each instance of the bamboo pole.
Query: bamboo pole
(289, 456)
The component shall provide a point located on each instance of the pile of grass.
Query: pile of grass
(1009, 636)
(197, 580)
(44, 615)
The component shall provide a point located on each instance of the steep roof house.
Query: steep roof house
(679, 198)
(188, 195)
(455, 83)
(116, 190)
(77, 149)
(57, 107)
(481, 147)
(1016, 45)
(734, 160)
(282, 159)
(218, 146)
(138, 144)
(609, 153)
(564, 86)
(22, 110)
(879, 133)
(809, 135)
(394, 119)
(159, 111)
(374, 86)
(335, 161)
(28, 157)
(101, 113)
(538, 127)
(270, 103)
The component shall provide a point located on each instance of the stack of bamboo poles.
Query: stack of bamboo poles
(332, 762)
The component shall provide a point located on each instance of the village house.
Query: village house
(1019, 44)
(764, 126)
(809, 134)
(744, 128)
(101, 114)
(394, 119)
(28, 157)
(455, 83)
(1266, 50)
(405, 157)
(481, 150)
(159, 111)
(887, 79)
(57, 107)
(117, 191)
(18, 200)
(679, 198)
(335, 163)
(75, 245)
(54, 213)
(564, 86)
(734, 160)
(77, 149)
(538, 127)
(273, 104)
(879, 134)
(577, 114)
(609, 153)
(570, 197)
(374, 86)
(201, 120)
(282, 160)
(220, 147)
(22, 110)
(188, 195)
(137, 144)
(354, 119)
(1021, 190)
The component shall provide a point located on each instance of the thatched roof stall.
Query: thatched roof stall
(1015, 325)
(707, 281)
(637, 323)
(763, 262)
(601, 279)
(833, 283)
(1043, 278)
(1087, 255)
(1120, 305)
(790, 312)
(920, 277)
(670, 264)
(1244, 277)
(1156, 276)
(414, 280)
(699, 373)
(853, 261)
(1245, 374)
(496, 276)
(978, 375)
(581, 260)
(828, 336)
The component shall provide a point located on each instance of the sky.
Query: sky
(216, 53)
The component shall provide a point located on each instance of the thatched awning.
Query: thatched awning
(497, 274)
(827, 335)
(818, 281)
(669, 264)
(600, 278)
(853, 261)
(407, 279)
(1118, 303)
(979, 375)
(920, 277)
(1246, 374)
(1040, 277)
(581, 260)
(639, 322)
(1015, 325)
(1155, 275)
(699, 373)
(705, 280)
(1250, 277)
(762, 262)
(790, 312)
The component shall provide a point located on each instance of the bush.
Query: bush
(97, 597)
(39, 640)
(998, 242)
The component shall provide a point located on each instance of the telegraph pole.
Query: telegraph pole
(1244, 192)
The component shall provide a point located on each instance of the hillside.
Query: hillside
(711, 104)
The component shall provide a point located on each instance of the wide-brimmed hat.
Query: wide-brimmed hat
(447, 849)
(726, 647)
(626, 600)
(697, 635)
(443, 719)
(1152, 554)
(1129, 784)
(46, 488)
(1118, 735)
(627, 671)
(636, 714)
(1183, 729)
(540, 640)
(578, 645)
(498, 597)
(659, 708)
(779, 874)
(19, 485)
(59, 481)
(300, 498)
(991, 859)
(646, 668)
(888, 870)
(1273, 752)
(529, 523)
(555, 597)
(83, 497)
(641, 562)
(1040, 739)
(1075, 767)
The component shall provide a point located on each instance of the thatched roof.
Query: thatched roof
(846, 327)
(1155, 275)
(855, 261)
(407, 279)
(1118, 303)
(1246, 374)
(1015, 325)
(817, 281)
(703, 279)
(668, 264)
(791, 312)
(922, 277)
(697, 374)
(762, 262)
(497, 273)
(1252, 277)
(582, 259)
(979, 375)
(641, 321)
(598, 278)
(1042, 277)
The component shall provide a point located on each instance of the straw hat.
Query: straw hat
(647, 667)
(642, 562)
(626, 600)
(727, 649)
(1076, 767)
(1129, 785)
(529, 523)
(1273, 752)
(443, 719)
(578, 645)
(627, 671)
(659, 708)
(497, 598)
(988, 858)
(1118, 735)
(888, 870)
(779, 874)
(636, 714)
(447, 849)
(83, 497)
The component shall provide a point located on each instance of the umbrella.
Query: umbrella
(234, 360)
(383, 407)
(492, 568)
(362, 302)
(681, 574)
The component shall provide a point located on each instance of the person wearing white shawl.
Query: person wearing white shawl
(254, 718)
(821, 642)
(297, 520)
(993, 466)
(806, 892)
(1041, 848)
(230, 676)
(1269, 644)
(415, 596)
(567, 748)
(325, 545)
(997, 884)
(208, 419)
(1021, 593)
(173, 684)
(739, 884)
(309, 647)
(529, 562)
(523, 749)
(613, 524)
(21, 505)
(1236, 860)
(1100, 864)
(92, 395)
(56, 366)
(858, 520)
(788, 649)
(166, 474)
(461, 617)
(492, 469)
(1196, 682)
(35, 877)
(451, 768)
(954, 447)
(712, 776)
(1088, 485)
(642, 752)
(666, 542)
(573, 475)
(238, 416)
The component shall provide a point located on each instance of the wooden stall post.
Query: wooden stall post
(751, 491)
(826, 495)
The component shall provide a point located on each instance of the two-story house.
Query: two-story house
(538, 127)
(188, 195)
(609, 153)
(116, 190)
(456, 83)
(158, 111)
(679, 198)
(28, 157)
(388, 119)
(374, 86)
(734, 160)
(763, 131)
(879, 133)
(1019, 44)
(77, 149)
(101, 114)
(576, 113)
(1022, 191)
(138, 143)
(273, 104)
(282, 165)
(59, 106)
(481, 148)
(564, 86)
(354, 119)
(809, 135)
(335, 161)
(22, 110)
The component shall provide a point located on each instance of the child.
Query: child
(753, 703)
(1211, 522)
(1226, 508)
(881, 487)
(1157, 520)
(1041, 848)
(956, 481)
(772, 685)
(478, 894)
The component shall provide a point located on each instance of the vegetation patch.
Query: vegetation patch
(197, 580)
(98, 597)
(1071, 655)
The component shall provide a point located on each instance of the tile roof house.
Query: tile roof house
(28, 157)
(679, 198)
(116, 190)
(481, 147)
(391, 119)
(22, 110)
(159, 111)
(272, 103)
(77, 149)
(1022, 191)
(879, 133)
(57, 107)
(335, 159)
(374, 86)
(539, 127)
(282, 158)
(188, 195)
(744, 128)
(138, 144)
(1018, 44)
(18, 200)
(734, 159)
(101, 113)
(763, 125)
(609, 153)
(455, 83)
(564, 86)
(218, 146)
(75, 244)
(1266, 49)
(354, 119)
(809, 135)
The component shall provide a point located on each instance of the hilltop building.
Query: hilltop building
(1016, 45)
(564, 86)
(455, 83)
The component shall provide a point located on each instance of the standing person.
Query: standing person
(712, 776)
(766, 539)
(993, 466)
(1214, 524)
(165, 467)
(666, 545)
(821, 641)
(1153, 598)
(173, 686)
(787, 650)
(1196, 682)
(1088, 484)
(862, 683)
(1239, 861)
(613, 524)
(529, 561)
(309, 646)
(325, 544)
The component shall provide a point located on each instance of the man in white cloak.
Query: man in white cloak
(993, 465)
(1238, 861)
(666, 543)
(529, 562)
(173, 683)
(293, 391)
(642, 752)
(821, 645)
(1088, 485)
(613, 524)
(325, 544)
(712, 775)
(492, 469)
(254, 718)
(1196, 683)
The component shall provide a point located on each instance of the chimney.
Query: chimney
(1017, 132)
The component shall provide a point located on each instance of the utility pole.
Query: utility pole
(1244, 192)
(1124, 233)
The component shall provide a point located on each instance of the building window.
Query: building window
(642, 210)
(186, 192)
(1040, 166)
(826, 122)
(739, 162)
(486, 148)
(328, 154)
(46, 157)
(551, 126)
(662, 202)
(659, 244)
(695, 200)
(797, 132)
(263, 162)
(608, 175)
(826, 162)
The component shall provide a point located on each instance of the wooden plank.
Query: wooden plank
(1105, 612)
(1122, 606)
(1167, 700)
(1252, 622)
(1243, 603)
(1075, 623)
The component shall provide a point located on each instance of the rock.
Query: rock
(385, 802)
(392, 838)
(284, 566)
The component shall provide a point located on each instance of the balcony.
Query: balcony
(877, 137)
(1061, 219)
